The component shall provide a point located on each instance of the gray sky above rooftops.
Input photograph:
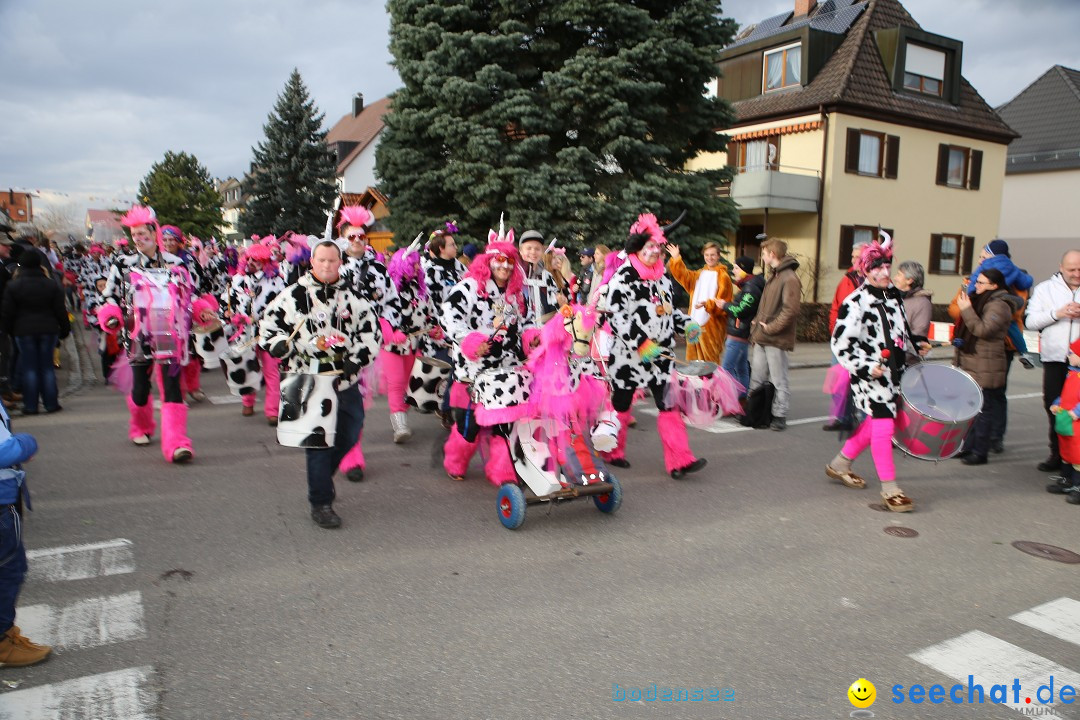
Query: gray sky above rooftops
(93, 93)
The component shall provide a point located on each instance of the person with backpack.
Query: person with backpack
(773, 329)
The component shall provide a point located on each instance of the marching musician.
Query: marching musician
(442, 271)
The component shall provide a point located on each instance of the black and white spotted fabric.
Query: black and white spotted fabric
(120, 291)
(639, 310)
(251, 294)
(308, 309)
(869, 321)
(496, 316)
(416, 316)
(542, 291)
(440, 276)
(368, 277)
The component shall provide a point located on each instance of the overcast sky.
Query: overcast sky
(92, 93)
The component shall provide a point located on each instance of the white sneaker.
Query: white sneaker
(400, 422)
(141, 439)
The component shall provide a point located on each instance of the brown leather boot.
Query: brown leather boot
(17, 651)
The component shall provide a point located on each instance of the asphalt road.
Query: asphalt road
(758, 575)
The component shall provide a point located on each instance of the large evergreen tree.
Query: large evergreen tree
(292, 181)
(182, 193)
(573, 116)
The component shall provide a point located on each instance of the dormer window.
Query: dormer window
(783, 67)
(924, 70)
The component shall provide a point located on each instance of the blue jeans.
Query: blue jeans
(321, 464)
(12, 564)
(38, 376)
(737, 361)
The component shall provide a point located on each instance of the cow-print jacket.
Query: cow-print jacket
(250, 294)
(120, 290)
(440, 276)
(310, 309)
(541, 290)
(501, 320)
(869, 321)
(640, 310)
(368, 277)
(417, 318)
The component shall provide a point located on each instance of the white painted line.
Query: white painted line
(76, 562)
(120, 695)
(995, 662)
(1060, 618)
(1024, 396)
(223, 399)
(88, 623)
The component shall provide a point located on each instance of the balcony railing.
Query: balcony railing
(774, 187)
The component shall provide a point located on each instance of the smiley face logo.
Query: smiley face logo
(862, 693)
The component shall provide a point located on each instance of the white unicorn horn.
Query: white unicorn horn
(502, 230)
(551, 246)
(415, 245)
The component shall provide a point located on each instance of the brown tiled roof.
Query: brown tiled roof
(855, 80)
(360, 129)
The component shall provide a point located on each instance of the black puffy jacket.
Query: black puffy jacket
(33, 304)
(743, 307)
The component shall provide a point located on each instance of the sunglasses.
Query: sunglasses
(354, 238)
(503, 260)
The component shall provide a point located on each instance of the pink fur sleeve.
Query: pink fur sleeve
(108, 313)
(528, 337)
(471, 344)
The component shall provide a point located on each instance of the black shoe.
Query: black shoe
(324, 516)
(779, 423)
(691, 468)
(997, 447)
(1026, 361)
(1073, 498)
(29, 412)
(1050, 464)
(355, 475)
(974, 459)
(619, 462)
(1060, 486)
(836, 426)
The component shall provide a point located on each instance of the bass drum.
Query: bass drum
(939, 404)
(427, 384)
(307, 414)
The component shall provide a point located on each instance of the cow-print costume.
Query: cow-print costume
(869, 321)
(309, 309)
(541, 290)
(120, 290)
(249, 296)
(439, 276)
(499, 318)
(640, 310)
(368, 278)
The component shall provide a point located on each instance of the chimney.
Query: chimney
(357, 104)
(804, 7)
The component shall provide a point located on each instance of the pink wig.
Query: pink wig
(97, 249)
(355, 215)
(175, 232)
(139, 215)
(405, 268)
(257, 253)
(874, 254)
(271, 242)
(612, 263)
(200, 250)
(648, 225)
(480, 270)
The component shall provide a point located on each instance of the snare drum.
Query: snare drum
(154, 305)
(427, 384)
(307, 413)
(938, 406)
(501, 395)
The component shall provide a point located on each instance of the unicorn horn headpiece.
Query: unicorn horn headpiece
(414, 246)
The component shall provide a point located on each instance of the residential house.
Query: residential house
(353, 139)
(1040, 216)
(379, 235)
(851, 117)
(233, 200)
(103, 226)
(18, 205)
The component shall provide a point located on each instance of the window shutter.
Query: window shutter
(847, 241)
(892, 156)
(935, 254)
(733, 156)
(967, 253)
(942, 164)
(851, 161)
(976, 170)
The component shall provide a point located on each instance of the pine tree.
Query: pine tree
(573, 116)
(182, 193)
(292, 181)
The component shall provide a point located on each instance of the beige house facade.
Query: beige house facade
(852, 141)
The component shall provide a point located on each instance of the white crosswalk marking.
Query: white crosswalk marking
(76, 562)
(87, 623)
(1060, 618)
(120, 695)
(992, 661)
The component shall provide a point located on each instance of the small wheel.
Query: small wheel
(510, 505)
(609, 502)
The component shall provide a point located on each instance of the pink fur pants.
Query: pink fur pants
(396, 370)
(271, 372)
(877, 433)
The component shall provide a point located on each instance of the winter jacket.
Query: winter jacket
(779, 307)
(1015, 278)
(919, 309)
(1018, 301)
(848, 284)
(34, 305)
(742, 310)
(987, 364)
(1056, 333)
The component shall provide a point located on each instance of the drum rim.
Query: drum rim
(433, 362)
(697, 363)
(908, 404)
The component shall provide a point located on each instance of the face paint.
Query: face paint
(650, 253)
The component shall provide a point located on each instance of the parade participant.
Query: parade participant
(1066, 410)
(296, 260)
(980, 352)
(364, 274)
(644, 321)
(869, 340)
(400, 348)
(487, 317)
(318, 325)
(709, 289)
(849, 283)
(15, 449)
(174, 243)
(153, 289)
(250, 292)
(541, 290)
(772, 332)
(442, 271)
(740, 314)
(585, 276)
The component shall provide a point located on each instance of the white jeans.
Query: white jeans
(770, 364)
